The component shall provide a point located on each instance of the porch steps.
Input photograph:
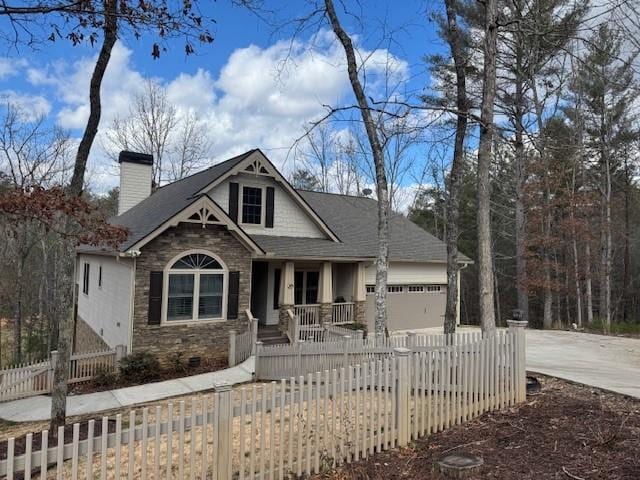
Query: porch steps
(271, 335)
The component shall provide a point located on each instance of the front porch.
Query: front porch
(304, 297)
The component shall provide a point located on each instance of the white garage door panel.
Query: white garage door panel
(410, 310)
(410, 273)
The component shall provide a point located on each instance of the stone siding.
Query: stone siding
(326, 313)
(206, 340)
(86, 340)
(283, 317)
(360, 313)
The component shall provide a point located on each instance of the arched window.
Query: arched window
(196, 288)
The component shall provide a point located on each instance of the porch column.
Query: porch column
(287, 283)
(359, 288)
(325, 293)
(287, 279)
(359, 293)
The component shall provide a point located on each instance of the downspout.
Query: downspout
(132, 306)
(134, 254)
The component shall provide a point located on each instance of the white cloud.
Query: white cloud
(10, 67)
(262, 97)
(31, 106)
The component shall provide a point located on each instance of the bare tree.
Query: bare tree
(455, 39)
(382, 261)
(487, 127)
(31, 155)
(178, 142)
(190, 147)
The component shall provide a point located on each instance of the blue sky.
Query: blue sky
(238, 83)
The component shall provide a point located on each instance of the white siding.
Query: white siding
(106, 309)
(289, 219)
(408, 273)
(135, 185)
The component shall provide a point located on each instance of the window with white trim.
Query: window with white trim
(371, 289)
(395, 288)
(252, 198)
(416, 288)
(85, 278)
(433, 288)
(196, 286)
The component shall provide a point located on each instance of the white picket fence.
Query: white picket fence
(294, 427)
(338, 347)
(242, 345)
(37, 378)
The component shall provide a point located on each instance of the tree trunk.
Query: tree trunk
(485, 266)
(382, 261)
(607, 247)
(454, 38)
(65, 329)
(576, 274)
(95, 108)
(588, 289)
(520, 217)
(18, 313)
(626, 279)
(547, 319)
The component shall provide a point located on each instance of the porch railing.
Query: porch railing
(342, 313)
(242, 346)
(292, 327)
(307, 314)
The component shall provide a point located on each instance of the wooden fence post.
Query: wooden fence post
(254, 331)
(232, 348)
(224, 431)
(345, 353)
(517, 327)
(121, 352)
(411, 340)
(403, 414)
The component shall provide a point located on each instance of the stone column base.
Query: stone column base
(326, 313)
(283, 317)
(359, 315)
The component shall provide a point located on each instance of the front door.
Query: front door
(259, 286)
(306, 284)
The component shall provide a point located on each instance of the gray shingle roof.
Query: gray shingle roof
(352, 219)
(169, 200)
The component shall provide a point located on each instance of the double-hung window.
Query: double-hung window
(196, 289)
(252, 205)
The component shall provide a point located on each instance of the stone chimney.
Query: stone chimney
(135, 179)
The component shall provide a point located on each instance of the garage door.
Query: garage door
(410, 307)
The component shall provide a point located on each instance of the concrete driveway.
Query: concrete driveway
(611, 363)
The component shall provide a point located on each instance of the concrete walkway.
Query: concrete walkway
(38, 408)
(610, 363)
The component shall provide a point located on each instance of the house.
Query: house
(237, 237)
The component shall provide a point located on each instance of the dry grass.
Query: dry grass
(314, 435)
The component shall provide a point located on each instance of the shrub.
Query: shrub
(105, 377)
(140, 367)
(176, 363)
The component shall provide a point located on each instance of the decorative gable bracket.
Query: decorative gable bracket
(204, 216)
(204, 211)
(257, 167)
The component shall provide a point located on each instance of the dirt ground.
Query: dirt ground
(566, 432)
